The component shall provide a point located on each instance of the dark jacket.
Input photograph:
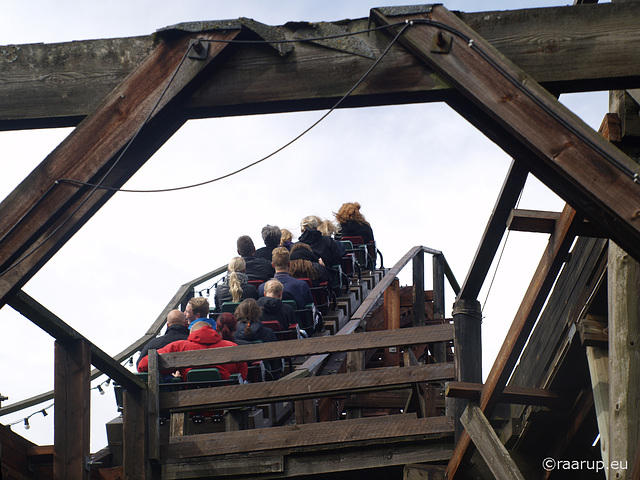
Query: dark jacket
(352, 228)
(274, 309)
(258, 268)
(264, 252)
(223, 293)
(324, 247)
(173, 333)
(258, 333)
(294, 289)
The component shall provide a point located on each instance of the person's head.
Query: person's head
(201, 324)
(280, 259)
(350, 211)
(273, 288)
(271, 235)
(327, 228)
(309, 223)
(300, 262)
(286, 237)
(237, 264)
(197, 307)
(176, 317)
(248, 311)
(245, 246)
(226, 325)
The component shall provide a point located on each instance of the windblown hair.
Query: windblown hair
(286, 236)
(236, 265)
(271, 235)
(245, 246)
(301, 268)
(200, 306)
(226, 325)
(248, 311)
(327, 228)
(310, 221)
(280, 257)
(350, 211)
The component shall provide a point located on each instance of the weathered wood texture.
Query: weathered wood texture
(308, 346)
(552, 142)
(544, 222)
(489, 445)
(541, 283)
(325, 433)
(563, 48)
(624, 357)
(301, 388)
(518, 395)
(42, 213)
(72, 415)
(300, 462)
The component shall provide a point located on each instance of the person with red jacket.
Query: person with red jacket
(201, 336)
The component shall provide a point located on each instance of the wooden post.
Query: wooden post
(467, 320)
(624, 359)
(392, 319)
(72, 413)
(153, 407)
(438, 349)
(134, 432)
(419, 314)
(598, 360)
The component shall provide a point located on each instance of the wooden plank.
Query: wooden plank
(554, 144)
(72, 414)
(315, 434)
(594, 331)
(541, 283)
(563, 48)
(44, 211)
(308, 346)
(153, 410)
(302, 388)
(223, 466)
(598, 361)
(489, 445)
(520, 395)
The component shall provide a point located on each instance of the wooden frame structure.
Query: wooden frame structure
(500, 87)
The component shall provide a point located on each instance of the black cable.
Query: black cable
(307, 130)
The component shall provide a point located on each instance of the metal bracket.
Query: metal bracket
(198, 50)
(441, 43)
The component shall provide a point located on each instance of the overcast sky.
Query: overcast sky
(423, 175)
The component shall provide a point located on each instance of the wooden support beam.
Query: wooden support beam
(517, 395)
(134, 434)
(544, 222)
(541, 283)
(72, 415)
(308, 346)
(598, 361)
(297, 436)
(153, 408)
(419, 314)
(507, 199)
(530, 124)
(489, 445)
(302, 388)
(44, 211)
(59, 330)
(568, 52)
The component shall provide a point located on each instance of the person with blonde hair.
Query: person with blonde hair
(324, 247)
(286, 239)
(272, 306)
(235, 287)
